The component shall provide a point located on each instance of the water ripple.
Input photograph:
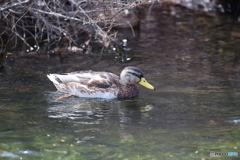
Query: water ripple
(8, 154)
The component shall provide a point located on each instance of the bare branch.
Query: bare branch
(62, 20)
(13, 5)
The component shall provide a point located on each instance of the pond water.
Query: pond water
(191, 59)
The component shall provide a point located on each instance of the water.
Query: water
(193, 63)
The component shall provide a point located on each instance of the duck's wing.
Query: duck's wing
(88, 78)
(83, 77)
(103, 80)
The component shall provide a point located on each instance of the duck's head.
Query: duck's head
(133, 75)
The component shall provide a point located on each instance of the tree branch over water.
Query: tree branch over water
(32, 22)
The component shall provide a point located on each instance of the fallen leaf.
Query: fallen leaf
(211, 121)
(24, 88)
(235, 34)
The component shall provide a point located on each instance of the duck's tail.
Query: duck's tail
(54, 79)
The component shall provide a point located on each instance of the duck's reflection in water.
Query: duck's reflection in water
(94, 117)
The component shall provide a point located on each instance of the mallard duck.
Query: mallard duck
(101, 84)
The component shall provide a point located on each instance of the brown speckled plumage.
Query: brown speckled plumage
(99, 84)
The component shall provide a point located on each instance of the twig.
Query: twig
(13, 5)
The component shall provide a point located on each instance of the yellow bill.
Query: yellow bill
(144, 83)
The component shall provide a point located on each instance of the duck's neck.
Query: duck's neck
(128, 91)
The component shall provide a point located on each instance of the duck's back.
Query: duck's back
(87, 83)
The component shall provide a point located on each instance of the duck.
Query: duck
(101, 84)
